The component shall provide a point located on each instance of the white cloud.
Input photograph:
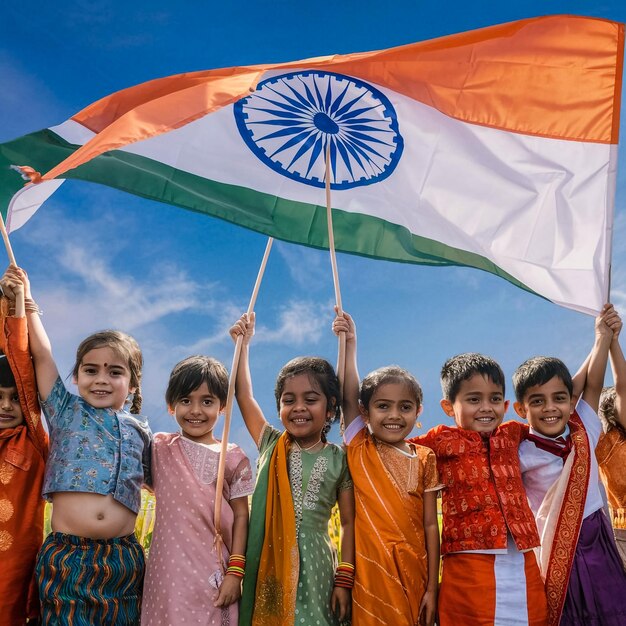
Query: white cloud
(308, 267)
(299, 323)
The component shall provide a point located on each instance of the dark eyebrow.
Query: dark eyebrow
(532, 396)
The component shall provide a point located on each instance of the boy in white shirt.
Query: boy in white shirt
(585, 581)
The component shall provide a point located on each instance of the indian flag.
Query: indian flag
(493, 149)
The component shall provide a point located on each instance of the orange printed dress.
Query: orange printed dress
(391, 569)
(23, 450)
(611, 457)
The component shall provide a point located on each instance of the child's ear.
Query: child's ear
(447, 407)
(572, 406)
(520, 409)
(506, 405)
(364, 412)
(170, 410)
(419, 411)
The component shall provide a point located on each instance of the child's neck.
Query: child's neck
(308, 445)
(207, 439)
(401, 446)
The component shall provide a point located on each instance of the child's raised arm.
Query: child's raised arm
(250, 410)
(345, 323)
(40, 348)
(605, 324)
(618, 365)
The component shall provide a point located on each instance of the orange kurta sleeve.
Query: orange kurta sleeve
(23, 450)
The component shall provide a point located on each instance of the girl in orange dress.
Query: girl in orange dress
(611, 449)
(395, 490)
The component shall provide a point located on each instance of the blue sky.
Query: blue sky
(177, 280)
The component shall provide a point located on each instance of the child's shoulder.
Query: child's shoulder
(421, 450)
(334, 450)
(160, 440)
(235, 452)
(436, 433)
(512, 430)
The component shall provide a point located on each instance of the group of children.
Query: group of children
(525, 538)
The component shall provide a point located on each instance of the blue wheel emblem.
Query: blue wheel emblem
(289, 120)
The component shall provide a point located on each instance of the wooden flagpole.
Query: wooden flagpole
(7, 243)
(341, 356)
(229, 408)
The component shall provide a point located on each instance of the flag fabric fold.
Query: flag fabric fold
(494, 149)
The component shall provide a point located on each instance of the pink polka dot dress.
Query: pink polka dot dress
(183, 573)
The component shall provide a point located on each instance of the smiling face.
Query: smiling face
(10, 410)
(197, 413)
(103, 379)
(303, 409)
(391, 413)
(479, 405)
(547, 407)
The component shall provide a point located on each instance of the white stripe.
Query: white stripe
(27, 200)
(73, 132)
(510, 576)
(538, 208)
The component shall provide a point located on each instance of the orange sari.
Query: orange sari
(391, 562)
(277, 578)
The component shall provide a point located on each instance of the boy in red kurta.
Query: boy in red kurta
(23, 449)
(490, 573)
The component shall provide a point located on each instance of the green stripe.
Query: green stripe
(292, 221)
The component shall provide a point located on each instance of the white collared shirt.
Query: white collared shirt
(541, 468)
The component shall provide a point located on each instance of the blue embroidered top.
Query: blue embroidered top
(95, 450)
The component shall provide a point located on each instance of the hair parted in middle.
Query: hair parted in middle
(538, 371)
(191, 372)
(462, 367)
(126, 348)
(389, 374)
(322, 373)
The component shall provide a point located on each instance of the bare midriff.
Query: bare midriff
(91, 515)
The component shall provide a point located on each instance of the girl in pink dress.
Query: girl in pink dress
(186, 582)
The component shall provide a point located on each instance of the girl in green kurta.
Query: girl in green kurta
(290, 571)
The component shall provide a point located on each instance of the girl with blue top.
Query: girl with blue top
(90, 568)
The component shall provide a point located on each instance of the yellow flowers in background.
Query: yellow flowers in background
(145, 520)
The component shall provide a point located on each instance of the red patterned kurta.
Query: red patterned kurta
(484, 494)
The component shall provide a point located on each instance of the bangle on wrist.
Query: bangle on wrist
(344, 575)
(32, 307)
(236, 565)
